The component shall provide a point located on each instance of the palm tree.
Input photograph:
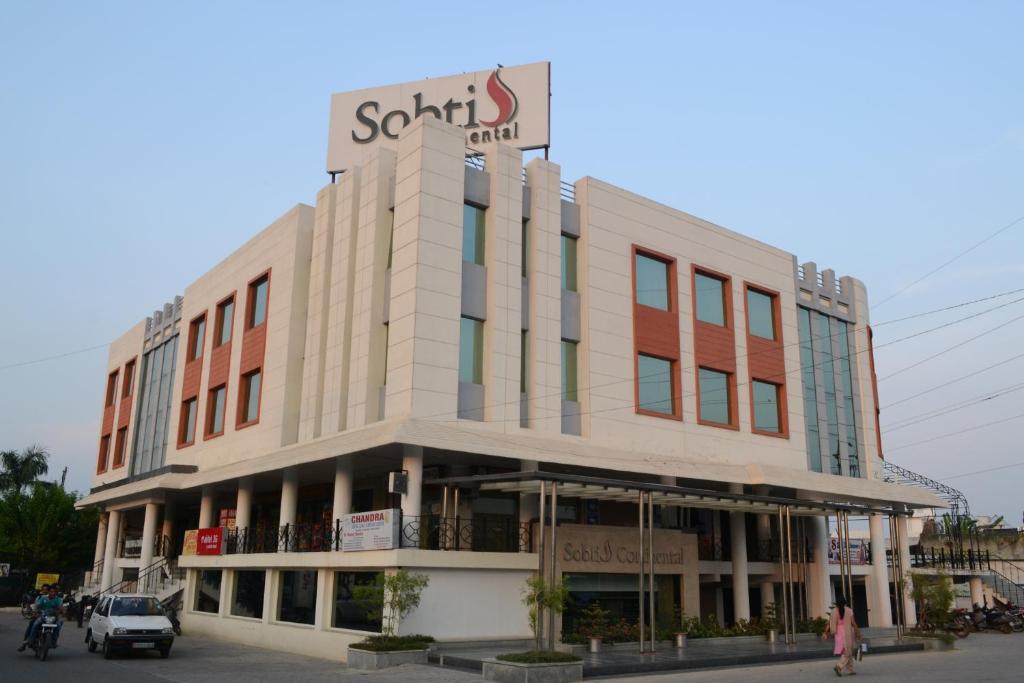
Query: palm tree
(20, 469)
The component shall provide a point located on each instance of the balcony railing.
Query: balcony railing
(947, 558)
(484, 533)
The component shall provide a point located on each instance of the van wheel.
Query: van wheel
(90, 641)
(108, 650)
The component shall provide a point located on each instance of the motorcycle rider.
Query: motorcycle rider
(47, 603)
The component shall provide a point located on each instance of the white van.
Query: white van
(129, 621)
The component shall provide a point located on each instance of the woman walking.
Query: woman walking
(843, 626)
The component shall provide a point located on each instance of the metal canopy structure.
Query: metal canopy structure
(550, 485)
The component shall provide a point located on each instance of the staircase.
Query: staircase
(1007, 583)
(164, 578)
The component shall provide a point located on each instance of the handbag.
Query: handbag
(862, 648)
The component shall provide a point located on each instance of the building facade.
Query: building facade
(451, 317)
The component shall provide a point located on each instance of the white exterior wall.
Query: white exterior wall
(488, 605)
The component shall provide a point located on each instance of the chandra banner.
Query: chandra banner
(374, 530)
(506, 104)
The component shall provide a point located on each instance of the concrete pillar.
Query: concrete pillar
(768, 599)
(819, 585)
(113, 525)
(206, 508)
(764, 532)
(243, 503)
(342, 486)
(908, 601)
(101, 540)
(412, 463)
(148, 535)
(881, 609)
(740, 576)
(977, 591)
(289, 496)
(167, 528)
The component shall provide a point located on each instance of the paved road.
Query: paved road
(980, 659)
(191, 661)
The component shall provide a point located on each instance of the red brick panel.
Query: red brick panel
(766, 361)
(656, 333)
(124, 410)
(254, 344)
(220, 365)
(714, 346)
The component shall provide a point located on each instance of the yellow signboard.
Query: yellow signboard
(191, 537)
(47, 579)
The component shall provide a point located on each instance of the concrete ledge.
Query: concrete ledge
(514, 672)
(367, 660)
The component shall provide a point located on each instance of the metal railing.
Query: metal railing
(948, 558)
(484, 533)
(568, 191)
(768, 550)
(712, 550)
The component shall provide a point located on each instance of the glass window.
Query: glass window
(196, 338)
(129, 379)
(710, 294)
(525, 267)
(137, 607)
(258, 298)
(766, 407)
(472, 234)
(251, 396)
(119, 446)
(101, 461)
(831, 404)
(651, 282)
(714, 396)
(225, 318)
(761, 314)
(111, 389)
(188, 420)
(298, 597)
(217, 397)
(569, 245)
(654, 379)
(810, 389)
(569, 373)
(208, 591)
(471, 351)
(248, 600)
(846, 373)
(524, 347)
(358, 600)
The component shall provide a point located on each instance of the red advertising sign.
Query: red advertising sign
(210, 541)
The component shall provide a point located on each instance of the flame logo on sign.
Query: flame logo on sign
(503, 96)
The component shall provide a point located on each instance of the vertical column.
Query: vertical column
(740, 569)
(412, 463)
(426, 272)
(909, 609)
(544, 239)
(881, 610)
(819, 593)
(977, 591)
(206, 508)
(342, 486)
(148, 535)
(101, 539)
(113, 525)
(289, 495)
(243, 504)
(768, 599)
(167, 528)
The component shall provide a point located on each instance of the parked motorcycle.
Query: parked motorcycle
(986, 619)
(171, 610)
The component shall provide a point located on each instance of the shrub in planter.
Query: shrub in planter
(385, 643)
(538, 657)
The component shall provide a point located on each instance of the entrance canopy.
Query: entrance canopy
(623, 490)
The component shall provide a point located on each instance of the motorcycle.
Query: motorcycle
(46, 639)
(986, 619)
(171, 611)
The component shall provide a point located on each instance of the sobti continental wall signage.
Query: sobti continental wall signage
(507, 104)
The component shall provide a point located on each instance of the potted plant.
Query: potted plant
(594, 625)
(770, 623)
(392, 597)
(683, 630)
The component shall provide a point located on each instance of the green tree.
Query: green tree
(538, 595)
(391, 597)
(42, 530)
(20, 469)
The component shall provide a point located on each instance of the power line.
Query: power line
(53, 357)
(938, 412)
(955, 258)
(951, 348)
(990, 469)
(962, 431)
(953, 381)
(946, 308)
(949, 324)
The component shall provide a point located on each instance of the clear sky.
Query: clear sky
(140, 143)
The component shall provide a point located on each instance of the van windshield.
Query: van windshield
(136, 607)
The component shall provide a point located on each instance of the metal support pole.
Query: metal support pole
(640, 589)
(802, 554)
(650, 562)
(554, 571)
(782, 566)
(849, 558)
(897, 576)
(789, 562)
(540, 567)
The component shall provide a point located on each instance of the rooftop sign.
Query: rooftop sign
(507, 104)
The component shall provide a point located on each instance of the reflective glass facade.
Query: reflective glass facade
(153, 418)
